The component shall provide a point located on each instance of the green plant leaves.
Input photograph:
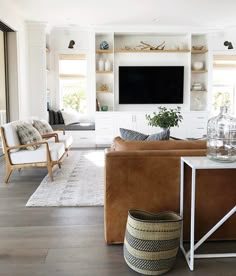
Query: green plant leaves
(165, 118)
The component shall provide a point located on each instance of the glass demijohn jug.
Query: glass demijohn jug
(221, 137)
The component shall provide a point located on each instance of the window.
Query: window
(224, 82)
(73, 82)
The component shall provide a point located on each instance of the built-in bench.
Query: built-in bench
(83, 133)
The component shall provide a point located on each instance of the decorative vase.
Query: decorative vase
(198, 65)
(104, 45)
(107, 65)
(151, 241)
(221, 137)
(101, 65)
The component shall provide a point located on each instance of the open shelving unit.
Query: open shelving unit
(105, 77)
(198, 98)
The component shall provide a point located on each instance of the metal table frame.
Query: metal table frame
(200, 162)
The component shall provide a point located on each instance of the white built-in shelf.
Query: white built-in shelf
(199, 91)
(199, 71)
(104, 51)
(152, 51)
(104, 72)
(199, 51)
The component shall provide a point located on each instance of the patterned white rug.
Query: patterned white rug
(80, 182)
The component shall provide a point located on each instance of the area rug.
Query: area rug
(80, 182)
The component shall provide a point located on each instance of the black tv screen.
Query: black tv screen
(151, 84)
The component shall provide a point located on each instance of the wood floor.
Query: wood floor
(69, 241)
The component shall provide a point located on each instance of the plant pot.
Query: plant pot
(151, 241)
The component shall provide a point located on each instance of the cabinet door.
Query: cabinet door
(142, 124)
(196, 124)
(124, 120)
(104, 128)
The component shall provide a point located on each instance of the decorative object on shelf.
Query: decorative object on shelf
(221, 137)
(197, 86)
(165, 118)
(146, 46)
(198, 65)
(198, 47)
(101, 65)
(197, 102)
(107, 65)
(104, 108)
(98, 105)
(104, 87)
(71, 44)
(229, 45)
(151, 241)
(104, 45)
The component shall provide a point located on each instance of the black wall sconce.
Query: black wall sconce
(229, 44)
(71, 44)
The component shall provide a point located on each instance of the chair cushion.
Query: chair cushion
(39, 155)
(42, 126)
(28, 134)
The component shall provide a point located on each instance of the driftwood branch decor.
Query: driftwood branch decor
(146, 46)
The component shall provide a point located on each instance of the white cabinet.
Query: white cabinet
(195, 124)
(108, 125)
(82, 139)
(104, 128)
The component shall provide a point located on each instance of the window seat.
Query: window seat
(83, 133)
(76, 126)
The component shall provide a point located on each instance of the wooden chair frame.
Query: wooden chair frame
(10, 167)
(54, 134)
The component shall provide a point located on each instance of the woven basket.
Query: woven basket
(151, 241)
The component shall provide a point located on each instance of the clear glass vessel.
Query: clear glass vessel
(221, 137)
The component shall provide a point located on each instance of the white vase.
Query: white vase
(101, 65)
(107, 65)
(198, 65)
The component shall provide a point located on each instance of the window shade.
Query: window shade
(224, 61)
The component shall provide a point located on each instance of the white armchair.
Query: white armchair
(48, 154)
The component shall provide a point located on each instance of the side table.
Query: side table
(201, 163)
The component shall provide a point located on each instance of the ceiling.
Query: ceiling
(201, 14)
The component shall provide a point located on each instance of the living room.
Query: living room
(44, 42)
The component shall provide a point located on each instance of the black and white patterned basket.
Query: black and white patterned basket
(151, 241)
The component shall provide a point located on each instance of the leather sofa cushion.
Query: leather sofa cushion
(126, 145)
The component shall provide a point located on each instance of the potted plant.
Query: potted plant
(165, 118)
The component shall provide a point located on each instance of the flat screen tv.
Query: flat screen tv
(151, 84)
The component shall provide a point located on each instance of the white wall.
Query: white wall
(37, 69)
(85, 44)
(9, 16)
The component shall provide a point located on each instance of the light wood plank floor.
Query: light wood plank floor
(69, 241)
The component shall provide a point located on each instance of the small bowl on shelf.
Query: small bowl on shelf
(198, 47)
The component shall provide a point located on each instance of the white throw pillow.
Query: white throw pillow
(70, 116)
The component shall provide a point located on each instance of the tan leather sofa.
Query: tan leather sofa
(146, 175)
